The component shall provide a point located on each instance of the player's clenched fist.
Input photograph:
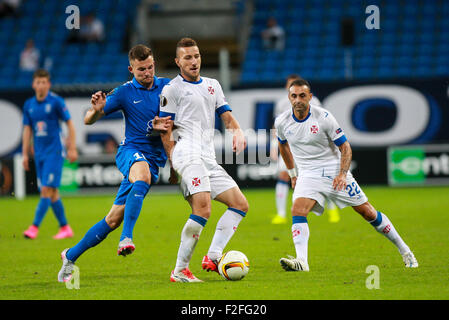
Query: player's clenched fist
(98, 100)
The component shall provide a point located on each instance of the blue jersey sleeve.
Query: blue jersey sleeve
(113, 101)
(62, 110)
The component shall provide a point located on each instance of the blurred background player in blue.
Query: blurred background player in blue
(139, 156)
(41, 121)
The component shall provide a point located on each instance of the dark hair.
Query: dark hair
(301, 82)
(139, 52)
(185, 43)
(293, 76)
(41, 73)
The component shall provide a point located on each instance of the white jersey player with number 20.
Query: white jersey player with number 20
(192, 102)
(311, 137)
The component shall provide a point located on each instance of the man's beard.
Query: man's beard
(300, 107)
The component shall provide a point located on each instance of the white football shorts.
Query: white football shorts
(202, 175)
(320, 189)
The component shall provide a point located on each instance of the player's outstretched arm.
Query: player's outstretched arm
(26, 141)
(286, 153)
(98, 102)
(339, 182)
(238, 141)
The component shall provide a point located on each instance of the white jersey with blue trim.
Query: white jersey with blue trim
(313, 141)
(193, 106)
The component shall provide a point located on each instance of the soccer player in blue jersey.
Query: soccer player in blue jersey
(41, 123)
(138, 158)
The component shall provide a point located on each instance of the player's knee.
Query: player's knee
(114, 221)
(298, 210)
(144, 178)
(115, 216)
(241, 204)
(47, 192)
(367, 211)
(202, 209)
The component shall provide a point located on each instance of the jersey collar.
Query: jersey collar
(139, 86)
(297, 120)
(45, 99)
(193, 82)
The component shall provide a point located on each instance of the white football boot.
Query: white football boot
(293, 264)
(65, 274)
(125, 247)
(410, 260)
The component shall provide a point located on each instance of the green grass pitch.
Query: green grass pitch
(339, 254)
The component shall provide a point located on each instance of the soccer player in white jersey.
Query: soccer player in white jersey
(283, 183)
(192, 101)
(311, 137)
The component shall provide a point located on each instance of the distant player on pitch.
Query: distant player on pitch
(138, 158)
(41, 121)
(311, 137)
(283, 184)
(192, 101)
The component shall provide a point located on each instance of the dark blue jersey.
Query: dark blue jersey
(44, 119)
(139, 106)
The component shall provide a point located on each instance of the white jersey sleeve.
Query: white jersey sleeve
(221, 105)
(333, 129)
(169, 103)
(279, 128)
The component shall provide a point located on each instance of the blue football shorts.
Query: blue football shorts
(49, 171)
(125, 158)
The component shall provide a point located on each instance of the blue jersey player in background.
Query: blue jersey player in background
(138, 158)
(42, 115)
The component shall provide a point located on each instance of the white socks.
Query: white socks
(300, 234)
(189, 238)
(191, 232)
(282, 189)
(224, 231)
(384, 226)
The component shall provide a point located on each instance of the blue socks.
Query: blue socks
(58, 210)
(41, 210)
(133, 206)
(94, 236)
(99, 231)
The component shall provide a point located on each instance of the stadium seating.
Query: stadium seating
(44, 22)
(413, 40)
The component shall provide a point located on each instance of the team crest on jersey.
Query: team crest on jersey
(314, 129)
(196, 182)
(338, 131)
(211, 90)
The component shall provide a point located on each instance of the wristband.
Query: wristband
(292, 172)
